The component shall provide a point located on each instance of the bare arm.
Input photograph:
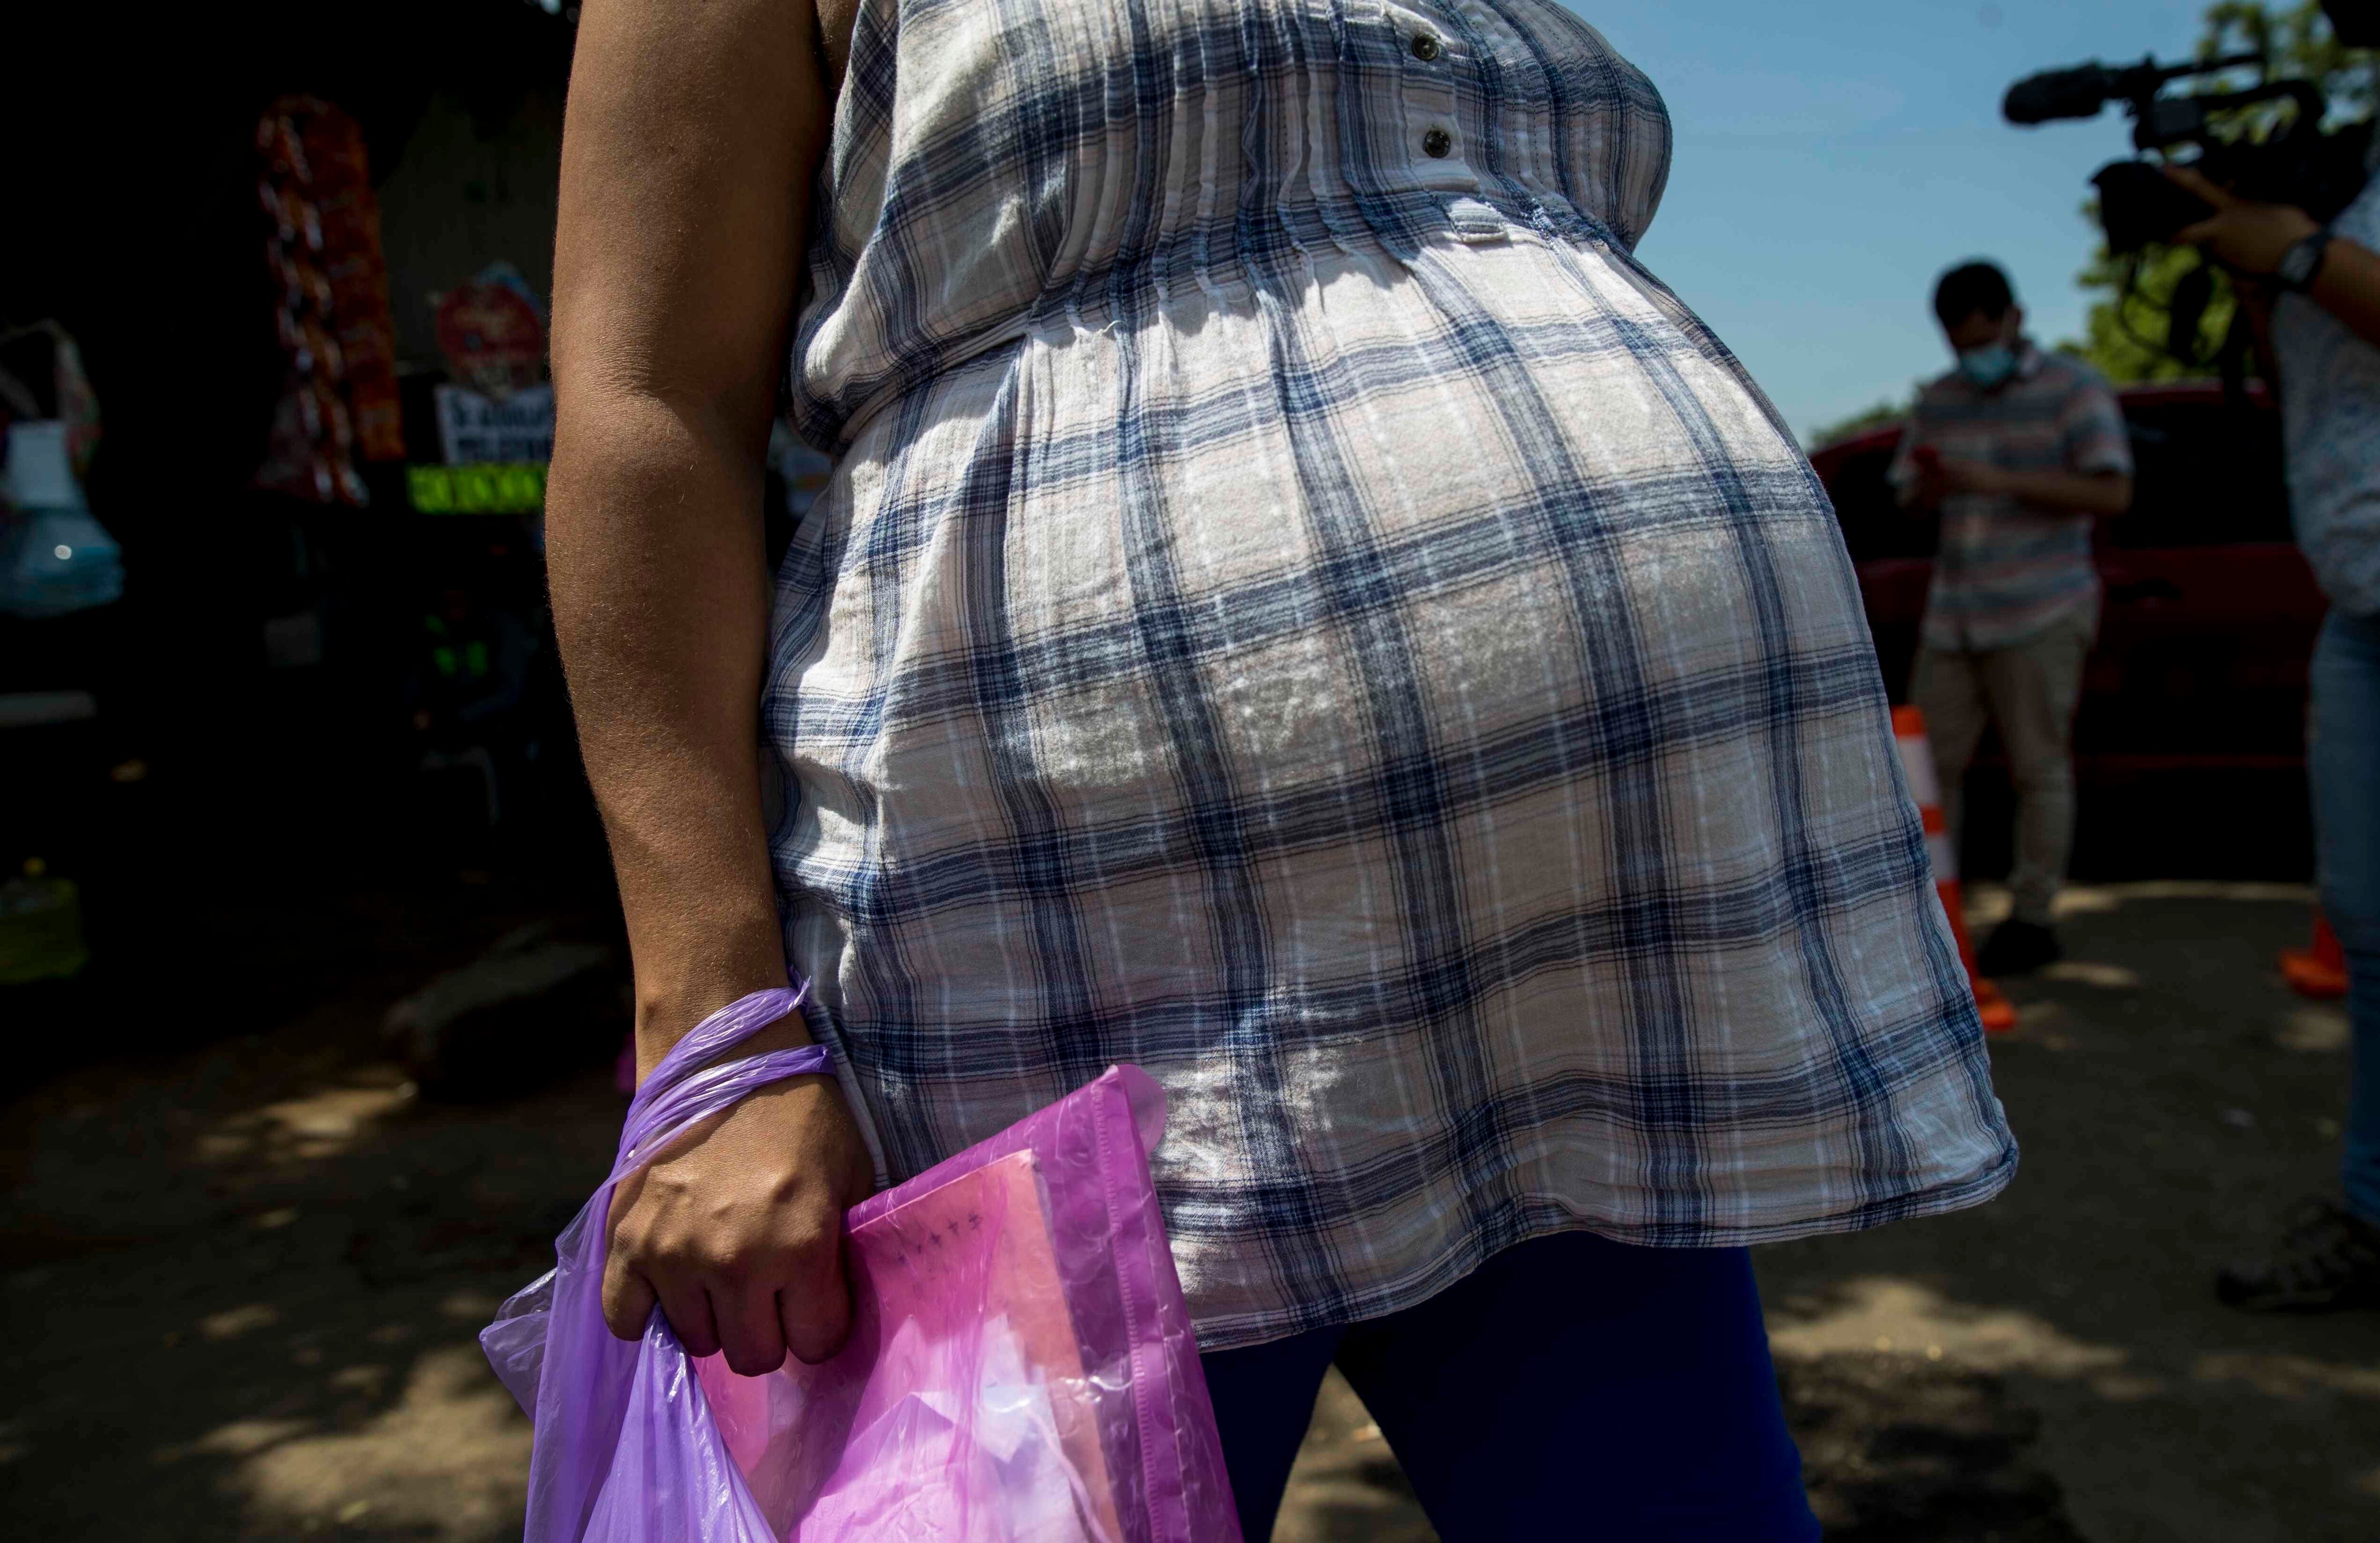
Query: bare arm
(2348, 287)
(692, 133)
(2104, 494)
(2253, 237)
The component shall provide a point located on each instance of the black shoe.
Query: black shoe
(2328, 1260)
(2019, 948)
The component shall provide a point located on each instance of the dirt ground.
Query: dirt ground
(240, 1282)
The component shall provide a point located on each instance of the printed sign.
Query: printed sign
(491, 331)
(518, 487)
(474, 428)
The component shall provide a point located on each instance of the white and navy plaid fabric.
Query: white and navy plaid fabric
(1299, 608)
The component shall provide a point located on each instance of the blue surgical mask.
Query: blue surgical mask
(1987, 367)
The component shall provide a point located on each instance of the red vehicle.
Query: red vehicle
(2190, 744)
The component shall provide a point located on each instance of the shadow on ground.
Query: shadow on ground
(2053, 1367)
(2172, 1100)
(242, 1283)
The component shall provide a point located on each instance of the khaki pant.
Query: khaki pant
(2029, 691)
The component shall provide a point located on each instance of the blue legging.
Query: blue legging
(2343, 757)
(1570, 1388)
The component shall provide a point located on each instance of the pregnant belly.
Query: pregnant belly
(1497, 510)
(1438, 503)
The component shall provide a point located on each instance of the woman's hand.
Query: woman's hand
(737, 1232)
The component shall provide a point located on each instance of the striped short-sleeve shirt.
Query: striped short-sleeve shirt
(2006, 569)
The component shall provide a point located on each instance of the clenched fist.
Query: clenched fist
(736, 1230)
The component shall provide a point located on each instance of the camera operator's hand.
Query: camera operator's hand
(2249, 237)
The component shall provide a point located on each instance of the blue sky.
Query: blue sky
(1833, 156)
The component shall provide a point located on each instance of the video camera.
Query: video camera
(2299, 164)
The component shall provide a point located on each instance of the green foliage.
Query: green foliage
(2297, 39)
(1859, 422)
(2124, 333)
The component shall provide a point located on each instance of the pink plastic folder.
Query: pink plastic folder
(1021, 1367)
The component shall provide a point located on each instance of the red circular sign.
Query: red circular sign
(492, 337)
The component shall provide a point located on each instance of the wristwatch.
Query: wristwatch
(2299, 265)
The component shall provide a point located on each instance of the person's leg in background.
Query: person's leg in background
(2330, 1255)
(2033, 688)
(2343, 761)
(1575, 1387)
(1946, 687)
(1264, 1400)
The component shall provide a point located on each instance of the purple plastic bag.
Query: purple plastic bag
(1021, 1367)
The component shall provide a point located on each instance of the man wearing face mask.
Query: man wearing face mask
(2019, 450)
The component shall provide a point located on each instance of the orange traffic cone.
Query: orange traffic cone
(1917, 759)
(2319, 969)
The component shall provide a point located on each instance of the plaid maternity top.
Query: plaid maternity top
(1300, 608)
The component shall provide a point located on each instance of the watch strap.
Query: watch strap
(2303, 262)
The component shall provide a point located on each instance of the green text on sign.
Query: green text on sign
(498, 488)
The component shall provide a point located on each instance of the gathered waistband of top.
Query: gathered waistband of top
(999, 161)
